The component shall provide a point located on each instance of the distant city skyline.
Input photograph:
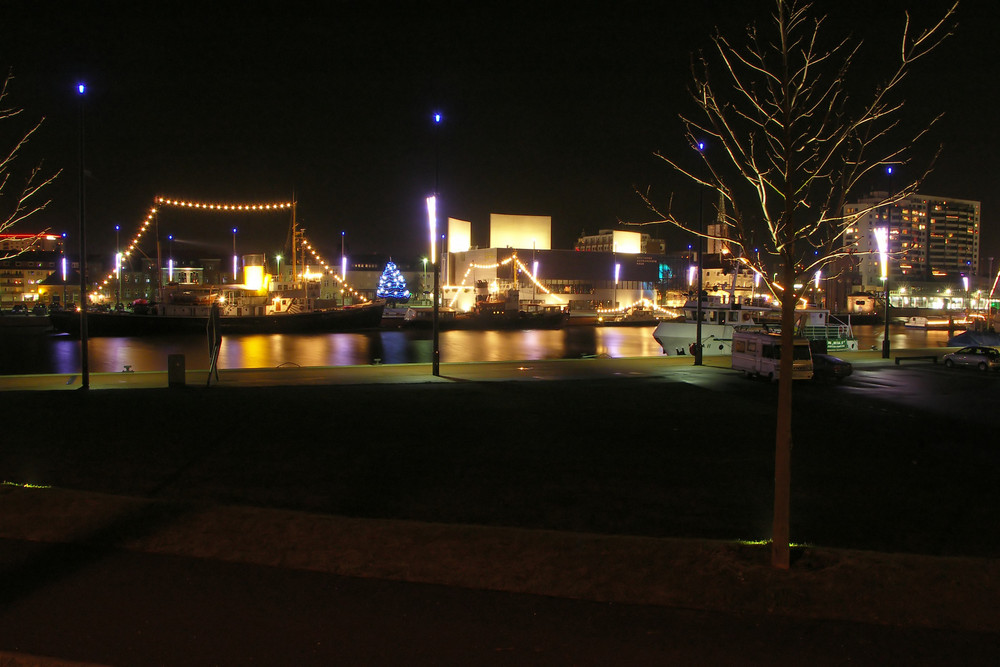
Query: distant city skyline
(549, 109)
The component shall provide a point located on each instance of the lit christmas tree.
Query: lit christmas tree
(392, 286)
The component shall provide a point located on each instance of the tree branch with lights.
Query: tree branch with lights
(19, 204)
(786, 149)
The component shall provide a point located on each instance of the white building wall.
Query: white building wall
(520, 231)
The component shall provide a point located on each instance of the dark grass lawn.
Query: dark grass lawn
(631, 456)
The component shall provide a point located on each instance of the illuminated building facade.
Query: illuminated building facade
(15, 243)
(22, 275)
(930, 237)
(607, 240)
(605, 271)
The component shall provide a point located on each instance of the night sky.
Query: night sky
(550, 109)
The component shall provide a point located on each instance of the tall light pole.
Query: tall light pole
(278, 258)
(885, 265)
(534, 272)
(118, 266)
(432, 225)
(614, 261)
(701, 266)
(343, 266)
(65, 270)
(84, 357)
(882, 239)
(234, 255)
(435, 260)
(170, 258)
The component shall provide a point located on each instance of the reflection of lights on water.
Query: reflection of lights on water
(60, 354)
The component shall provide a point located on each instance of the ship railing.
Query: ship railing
(826, 332)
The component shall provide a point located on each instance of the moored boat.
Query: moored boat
(275, 315)
(636, 316)
(719, 318)
(24, 324)
(937, 323)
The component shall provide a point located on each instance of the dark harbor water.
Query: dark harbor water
(31, 354)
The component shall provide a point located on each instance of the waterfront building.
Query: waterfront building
(933, 246)
(930, 237)
(40, 242)
(609, 240)
(606, 271)
(21, 276)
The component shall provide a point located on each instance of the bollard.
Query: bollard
(175, 370)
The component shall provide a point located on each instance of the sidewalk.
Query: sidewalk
(403, 373)
(835, 584)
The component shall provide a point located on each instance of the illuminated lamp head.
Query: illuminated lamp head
(882, 239)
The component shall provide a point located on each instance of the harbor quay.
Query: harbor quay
(540, 369)
(638, 485)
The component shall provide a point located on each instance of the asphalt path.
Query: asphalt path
(113, 607)
(121, 608)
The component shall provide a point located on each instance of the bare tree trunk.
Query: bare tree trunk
(780, 530)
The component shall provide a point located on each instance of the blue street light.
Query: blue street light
(701, 251)
(118, 265)
(84, 355)
(343, 260)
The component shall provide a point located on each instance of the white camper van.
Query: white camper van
(757, 352)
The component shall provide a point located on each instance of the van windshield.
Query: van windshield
(801, 352)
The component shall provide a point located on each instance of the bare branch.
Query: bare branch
(26, 201)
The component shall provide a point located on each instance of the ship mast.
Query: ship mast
(159, 259)
(295, 240)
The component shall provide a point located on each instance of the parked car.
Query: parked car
(977, 356)
(829, 367)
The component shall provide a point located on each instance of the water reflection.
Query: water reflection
(27, 354)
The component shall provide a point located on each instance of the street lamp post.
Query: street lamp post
(235, 268)
(423, 279)
(118, 266)
(617, 269)
(534, 272)
(701, 252)
(435, 260)
(170, 258)
(701, 267)
(343, 266)
(278, 259)
(65, 270)
(84, 357)
(432, 225)
(882, 239)
(885, 267)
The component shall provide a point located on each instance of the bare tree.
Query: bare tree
(788, 148)
(16, 205)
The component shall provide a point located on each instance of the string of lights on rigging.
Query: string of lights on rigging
(513, 258)
(221, 207)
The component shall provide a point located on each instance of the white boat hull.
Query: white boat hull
(677, 338)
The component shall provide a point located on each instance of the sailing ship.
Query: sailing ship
(502, 310)
(257, 306)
